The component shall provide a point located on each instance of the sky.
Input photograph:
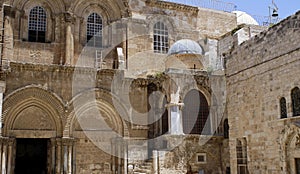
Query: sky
(257, 7)
(261, 7)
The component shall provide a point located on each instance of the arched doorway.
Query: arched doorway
(32, 121)
(195, 113)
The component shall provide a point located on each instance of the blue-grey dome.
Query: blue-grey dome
(185, 46)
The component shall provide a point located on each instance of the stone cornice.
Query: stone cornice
(61, 68)
(172, 6)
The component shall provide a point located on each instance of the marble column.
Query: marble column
(2, 90)
(4, 155)
(155, 161)
(175, 115)
(7, 145)
(68, 144)
(58, 155)
(10, 144)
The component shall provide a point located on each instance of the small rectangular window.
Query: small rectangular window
(201, 158)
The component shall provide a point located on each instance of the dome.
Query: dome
(185, 46)
(244, 18)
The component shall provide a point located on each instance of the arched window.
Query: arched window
(226, 128)
(195, 113)
(161, 38)
(296, 101)
(94, 30)
(37, 25)
(283, 111)
(241, 154)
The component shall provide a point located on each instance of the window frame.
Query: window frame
(94, 30)
(37, 29)
(283, 108)
(295, 95)
(160, 38)
(197, 125)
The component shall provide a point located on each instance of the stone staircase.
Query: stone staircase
(144, 168)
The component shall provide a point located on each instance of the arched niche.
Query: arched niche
(32, 112)
(96, 110)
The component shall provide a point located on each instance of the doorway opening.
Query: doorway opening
(31, 156)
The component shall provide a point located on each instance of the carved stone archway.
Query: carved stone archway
(46, 106)
(290, 146)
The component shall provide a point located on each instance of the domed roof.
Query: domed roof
(244, 18)
(185, 46)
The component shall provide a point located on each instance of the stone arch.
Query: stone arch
(199, 88)
(195, 113)
(84, 10)
(56, 6)
(289, 146)
(111, 9)
(153, 19)
(108, 105)
(52, 9)
(167, 21)
(32, 99)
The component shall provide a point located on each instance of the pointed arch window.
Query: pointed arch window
(196, 114)
(283, 111)
(296, 101)
(160, 38)
(94, 30)
(37, 25)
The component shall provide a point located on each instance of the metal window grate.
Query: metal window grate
(283, 110)
(296, 101)
(38, 19)
(195, 113)
(94, 30)
(37, 25)
(161, 40)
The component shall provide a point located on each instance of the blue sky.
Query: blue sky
(256, 7)
(261, 7)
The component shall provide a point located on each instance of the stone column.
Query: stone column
(10, 144)
(2, 90)
(69, 54)
(58, 155)
(175, 114)
(118, 148)
(67, 154)
(7, 145)
(155, 161)
(4, 155)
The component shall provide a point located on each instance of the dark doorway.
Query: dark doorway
(31, 156)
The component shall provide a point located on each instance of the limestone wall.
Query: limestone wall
(259, 72)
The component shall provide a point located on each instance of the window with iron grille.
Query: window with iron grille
(94, 30)
(195, 113)
(37, 25)
(283, 111)
(241, 154)
(161, 38)
(296, 101)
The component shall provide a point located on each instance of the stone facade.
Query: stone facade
(259, 73)
(127, 106)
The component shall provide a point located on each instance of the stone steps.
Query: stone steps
(144, 168)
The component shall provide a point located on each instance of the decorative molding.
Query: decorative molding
(172, 6)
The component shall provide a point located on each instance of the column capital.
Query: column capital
(68, 141)
(2, 86)
(7, 140)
